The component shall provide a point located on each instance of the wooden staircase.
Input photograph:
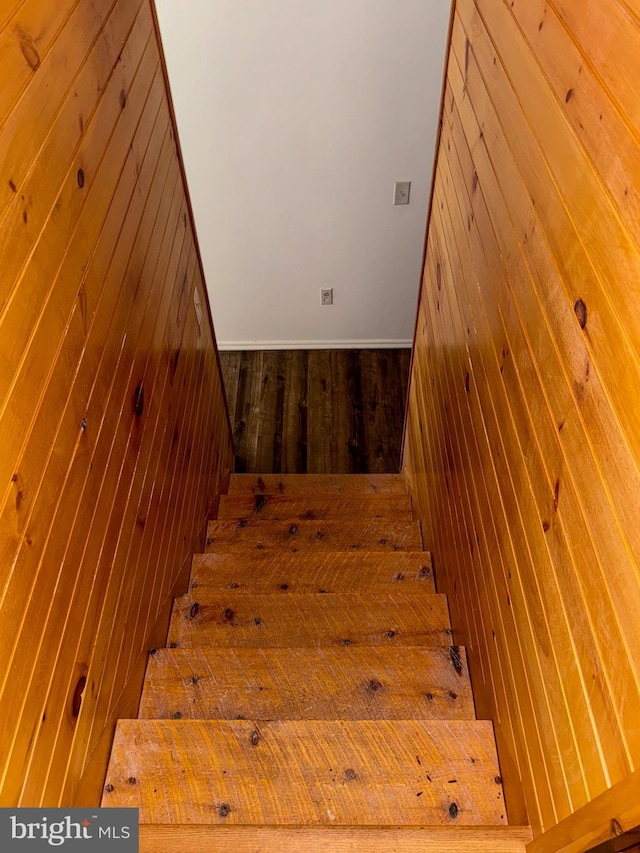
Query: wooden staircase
(310, 695)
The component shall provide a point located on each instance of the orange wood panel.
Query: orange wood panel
(114, 436)
(522, 447)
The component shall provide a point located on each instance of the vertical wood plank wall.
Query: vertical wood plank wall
(114, 437)
(523, 434)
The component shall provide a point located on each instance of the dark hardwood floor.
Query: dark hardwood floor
(317, 411)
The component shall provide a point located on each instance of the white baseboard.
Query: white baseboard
(285, 345)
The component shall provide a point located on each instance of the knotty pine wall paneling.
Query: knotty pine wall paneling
(114, 436)
(523, 432)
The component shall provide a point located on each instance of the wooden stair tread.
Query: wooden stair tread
(371, 773)
(309, 619)
(331, 535)
(343, 683)
(309, 507)
(334, 571)
(267, 839)
(311, 484)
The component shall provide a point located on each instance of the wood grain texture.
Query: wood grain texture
(337, 571)
(307, 773)
(279, 507)
(349, 683)
(605, 819)
(309, 619)
(433, 839)
(317, 411)
(110, 397)
(522, 444)
(313, 484)
(368, 534)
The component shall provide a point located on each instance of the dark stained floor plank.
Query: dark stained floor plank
(317, 411)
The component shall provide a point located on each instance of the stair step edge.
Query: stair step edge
(301, 484)
(181, 838)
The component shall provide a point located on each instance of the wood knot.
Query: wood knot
(430, 697)
(80, 177)
(375, 685)
(498, 780)
(260, 502)
(284, 586)
(132, 780)
(391, 634)
(122, 99)
(228, 615)
(109, 789)
(456, 658)
(224, 810)
(293, 529)
(616, 828)
(453, 811)
(254, 737)
(78, 692)
(29, 50)
(349, 774)
(581, 312)
(177, 715)
(138, 400)
(193, 610)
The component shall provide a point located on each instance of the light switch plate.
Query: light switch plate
(401, 192)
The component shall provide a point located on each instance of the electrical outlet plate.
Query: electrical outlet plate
(401, 192)
(326, 296)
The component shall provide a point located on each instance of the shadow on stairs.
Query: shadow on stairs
(310, 696)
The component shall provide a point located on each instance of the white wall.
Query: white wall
(295, 118)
